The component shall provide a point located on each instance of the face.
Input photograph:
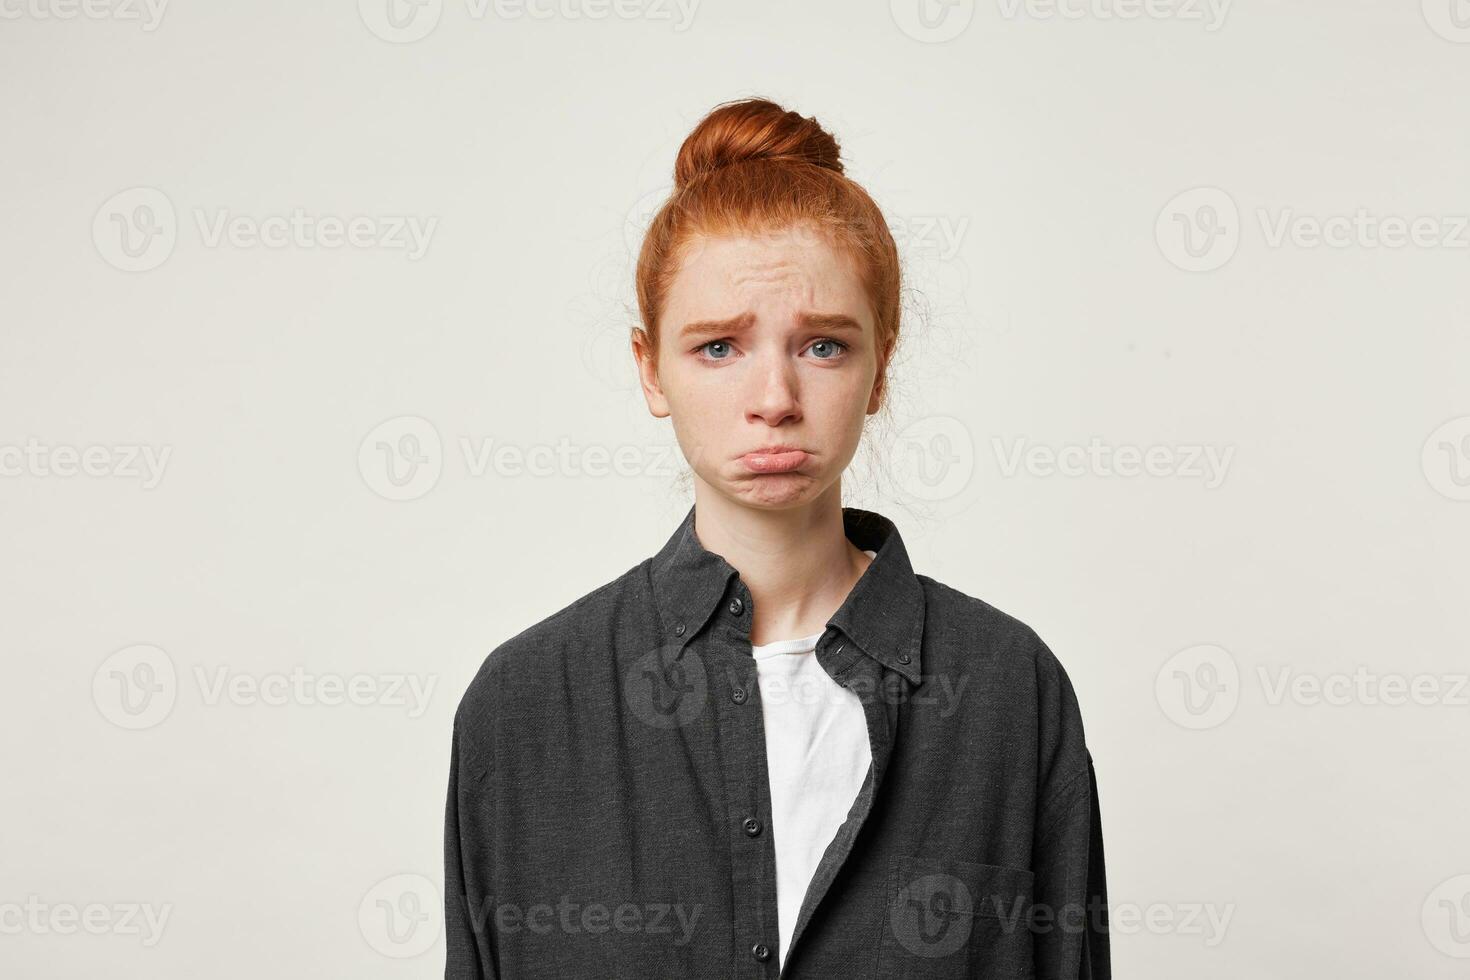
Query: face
(767, 364)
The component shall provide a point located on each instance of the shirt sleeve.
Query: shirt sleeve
(462, 959)
(1071, 915)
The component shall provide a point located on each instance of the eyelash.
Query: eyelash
(842, 348)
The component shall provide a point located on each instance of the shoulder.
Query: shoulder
(519, 667)
(1019, 681)
(969, 637)
(974, 628)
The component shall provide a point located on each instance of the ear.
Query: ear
(880, 385)
(643, 357)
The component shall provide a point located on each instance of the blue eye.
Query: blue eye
(715, 343)
(829, 342)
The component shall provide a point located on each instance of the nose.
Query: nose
(773, 398)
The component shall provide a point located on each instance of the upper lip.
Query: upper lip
(775, 449)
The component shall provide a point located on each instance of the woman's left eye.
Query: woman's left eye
(835, 346)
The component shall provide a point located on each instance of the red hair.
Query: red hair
(749, 167)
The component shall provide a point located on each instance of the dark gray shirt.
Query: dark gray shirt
(609, 813)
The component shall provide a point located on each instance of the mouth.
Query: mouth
(775, 459)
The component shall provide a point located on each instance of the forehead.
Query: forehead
(728, 275)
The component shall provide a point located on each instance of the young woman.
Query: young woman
(772, 748)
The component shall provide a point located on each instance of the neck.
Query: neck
(797, 562)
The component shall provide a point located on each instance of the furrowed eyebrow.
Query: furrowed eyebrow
(718, 328)
(831, 322)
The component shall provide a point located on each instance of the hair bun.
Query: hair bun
(753, 129)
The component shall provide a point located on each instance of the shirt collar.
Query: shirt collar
(883, 614)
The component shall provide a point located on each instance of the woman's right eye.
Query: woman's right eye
(714, 344)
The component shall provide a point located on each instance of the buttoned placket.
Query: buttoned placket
(882, 702)
(739, 727)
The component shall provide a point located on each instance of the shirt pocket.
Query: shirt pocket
(946, 918)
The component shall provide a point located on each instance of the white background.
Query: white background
(1032, 167)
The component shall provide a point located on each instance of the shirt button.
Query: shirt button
(761, 952)
(904, 658)
(752, 827)
(738, 695)
(678, 629)
(736, 606)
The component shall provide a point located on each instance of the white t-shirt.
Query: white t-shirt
(817, 756)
